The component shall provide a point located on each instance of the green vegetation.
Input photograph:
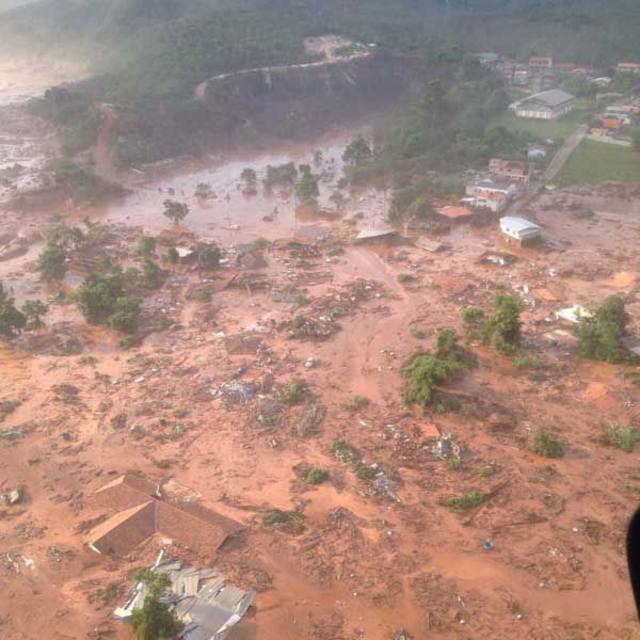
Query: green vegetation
(249, 180)
(502, 328)
(404, 278)
(12, 321)
(307, 185)
(454, 463)
(175, 211)
(293, 392)
(600, 336)
(209, 256)
(74, 115)
(172, 255)
(356, 403)
(102, 300)
(544, 443)
(557, 130)
(417, 333)
(146, 245)
(154, 620)
(595, 162)
(623, 437)
(152, 275)
(460, 504)
(316, 475)
(279, 518)
(283, 176)
(126, 342)
(52, 261)
(33, 311)
(349, 455)
(203, 191)
(425, 372)
(80, 183)
(528, 361)
(472, 320)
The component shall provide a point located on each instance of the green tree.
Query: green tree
(502, 329)
(155, 620)
(146, 245)
(97, 295)
(600, 336)
(209, 256)
(12, 321)
(151, 273)
(249, 179)
(357, 152)
(33, 311)
(307, 185)
(125, 314)
(172, 256)
(175, 211)
(52, 261)
(203, 191)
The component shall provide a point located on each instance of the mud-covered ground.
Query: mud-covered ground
(199, 403)
(200, 406)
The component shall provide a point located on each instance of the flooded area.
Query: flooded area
(242, 376)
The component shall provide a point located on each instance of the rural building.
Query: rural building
(496, 202)
(512, 169)
(519, 229)
(200, 598)
(628, 67)
(521, 77)
(455, 213)
(540, 63)
(487, 188)
(187, 524)
(546, 105)
(488, 60)
(536, 152)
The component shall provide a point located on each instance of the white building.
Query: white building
(520, 229)
(547, 105)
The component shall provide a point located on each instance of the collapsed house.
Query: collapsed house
(141, 512)
(520, 230)
(200, 598)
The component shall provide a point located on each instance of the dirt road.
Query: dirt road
(564, 153)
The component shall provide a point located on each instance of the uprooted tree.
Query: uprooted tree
(600, 335)
(155, 620)
(425, 372)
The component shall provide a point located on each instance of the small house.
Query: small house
(455, 213)
(540, 63)
(512, 169)
(486, 187)
(546, 105)
(628, 67)
(520, 230)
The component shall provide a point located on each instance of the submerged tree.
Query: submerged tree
(307, 186)
(203, 191)
(175, 211)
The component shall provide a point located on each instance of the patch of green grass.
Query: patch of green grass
(460, 504)
(363, 471)
(356, 403)
(544, 443)
(454, 463)
(344, 452)
(293, 392)
(596, 162)
(316, 475)
(417, 333)
(621, 436)
(528, 361)
(406, 277)
(542, 129)
(126, 342)
(278, 517)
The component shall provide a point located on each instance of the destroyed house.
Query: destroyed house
(207, 606)
(547, 105)
(187, 524)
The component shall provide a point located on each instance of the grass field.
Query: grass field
(596, 162)
(556, 129)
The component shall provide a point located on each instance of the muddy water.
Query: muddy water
(232, 216)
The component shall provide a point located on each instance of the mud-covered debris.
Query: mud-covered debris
(67, 393)
(7, 407)
(235, 391)
(312, 416)
(311, 328)
(242, 344)
(12, 433)
(446, 447)
(269, 412)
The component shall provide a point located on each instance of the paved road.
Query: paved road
(564, 153)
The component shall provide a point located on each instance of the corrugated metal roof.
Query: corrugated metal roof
(518, 225)
(553, 98)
